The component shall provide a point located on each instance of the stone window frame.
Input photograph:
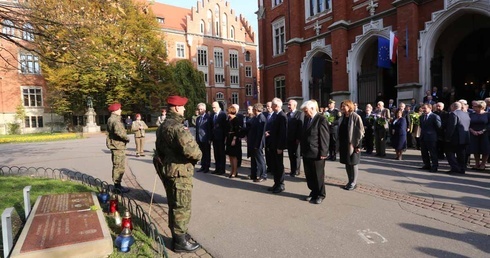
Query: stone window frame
(180, 49)
(280, 87)
(249, 90)
(279, 36)
(32, 96)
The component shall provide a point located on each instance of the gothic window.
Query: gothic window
(279, 37)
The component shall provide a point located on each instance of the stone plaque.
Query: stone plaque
(64, 203)
(64, 226)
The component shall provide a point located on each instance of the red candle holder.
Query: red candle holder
(113, 205)
(126, 221)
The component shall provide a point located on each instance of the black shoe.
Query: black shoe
(181, 244)
(433, 170)
(308, 198)
(318, 200)
(119, 188)
(278, 189)
(258, 180)
(272, 188)
(425, 168)
(350, 187)
(292, 174)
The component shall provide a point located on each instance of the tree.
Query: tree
(189, 82)
(108, 50)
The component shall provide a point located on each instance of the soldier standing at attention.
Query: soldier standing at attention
(178, 152)
(116, 141)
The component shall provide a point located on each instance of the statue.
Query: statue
(89, 102)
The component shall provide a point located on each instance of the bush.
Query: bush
(13, 128)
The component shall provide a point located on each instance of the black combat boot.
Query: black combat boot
(182, 244)
(118, 187)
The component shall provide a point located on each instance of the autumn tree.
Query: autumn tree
(108, 50)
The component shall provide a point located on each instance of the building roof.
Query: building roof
(174, 17)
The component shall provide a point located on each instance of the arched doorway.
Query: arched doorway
(461, 57)
(372, 79)
(320, 84)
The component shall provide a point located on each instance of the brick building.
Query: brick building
(212, 36)
(219, 42)
(321, 49)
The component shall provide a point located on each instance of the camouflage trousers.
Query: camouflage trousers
(118, 165)
(179, 195)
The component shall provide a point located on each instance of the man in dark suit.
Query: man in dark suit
(241, 118)
(218, 137)
(430, 124)
(295, 124)
(203, 137)
(443, 114)
(277, 143)
(457, 137)
(256, 144)
(268, 115)
(314, 149)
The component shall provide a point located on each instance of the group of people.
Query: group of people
(306, 133)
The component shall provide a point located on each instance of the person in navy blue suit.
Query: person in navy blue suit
(430, 124)
(203, 137)
(256, 144)
(268, 153)
(277, 143)
(399, 133)
(219, 125)
(457, 137)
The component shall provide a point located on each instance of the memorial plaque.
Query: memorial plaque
(64, 226)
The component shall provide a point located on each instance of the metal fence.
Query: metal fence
(138, 215)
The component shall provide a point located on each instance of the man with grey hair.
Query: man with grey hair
(218, 137)
(277, 142)
(268, 115)
(457, 138)
(295, 126)
(203, 137)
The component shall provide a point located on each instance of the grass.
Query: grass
(38, 137)
(11, 195)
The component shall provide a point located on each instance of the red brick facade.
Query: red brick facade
(344, 37)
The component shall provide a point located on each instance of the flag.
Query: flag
(393, 47)
(384, 53)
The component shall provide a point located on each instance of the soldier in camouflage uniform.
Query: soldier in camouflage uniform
(176, 154)
(116, 141)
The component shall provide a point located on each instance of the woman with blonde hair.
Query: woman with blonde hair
(479, 142)
(351, 132)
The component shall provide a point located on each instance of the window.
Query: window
(317, 6)
(202, 26)
(210, 22)
(218, 58)
(32, 96)
(29, 63)
(180, 50)
(219, 78)
(161, 20)
(279, 37)
(216, 20)
(280, 87)
(8, 27)
(249, 90)
(233, 59)
(202, 56)
(247, 56)
(234, 98)
(220, 95)
(27, 33)
(232, 32)
(248, 71)
(34, 121)
(205, 78)
(276, 2)
(224, 24)
(234, 79)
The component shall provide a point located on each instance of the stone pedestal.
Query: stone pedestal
(91, 126)
(64, 226)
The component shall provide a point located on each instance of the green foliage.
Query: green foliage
(13, 128)
(37, 137)
(108, 50)
(189, 83)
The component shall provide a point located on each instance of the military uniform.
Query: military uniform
(178, 152)
(116, 141)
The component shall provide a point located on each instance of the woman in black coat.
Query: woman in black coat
(399, 134)
(232, 147)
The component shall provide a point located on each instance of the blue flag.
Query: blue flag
(384, 53)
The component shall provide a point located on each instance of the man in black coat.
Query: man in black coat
(268, 115)
(295, 124)
(314, 149)
(203, 137)
(256, 144)
(457, 138)
(430, 124)
(218, 137)
(276, 144)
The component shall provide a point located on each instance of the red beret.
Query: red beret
(176, 101)
(114, 107)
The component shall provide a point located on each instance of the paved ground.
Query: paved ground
(398, 210)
